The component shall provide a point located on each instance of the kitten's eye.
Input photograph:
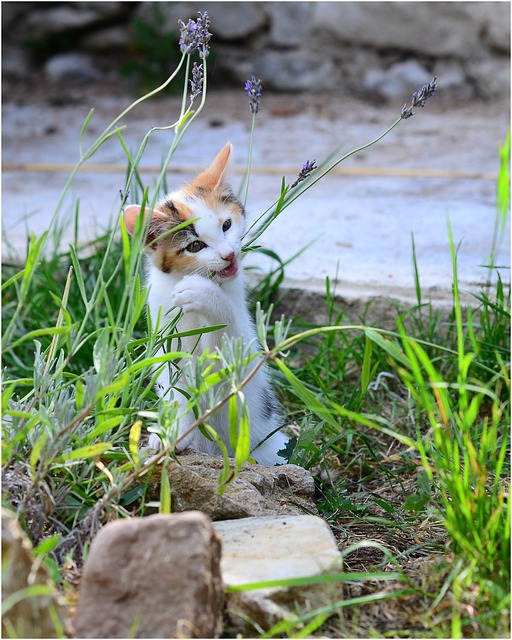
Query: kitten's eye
(196, 246)
(226, 225)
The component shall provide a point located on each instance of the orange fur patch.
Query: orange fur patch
(167, 260)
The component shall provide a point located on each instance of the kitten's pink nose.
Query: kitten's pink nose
(229, 257)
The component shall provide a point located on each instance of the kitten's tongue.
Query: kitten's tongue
(229, 271)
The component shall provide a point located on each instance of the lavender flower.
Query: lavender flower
(307, 168)
(419, 98)
(196, 83)
(194, 36)
(253, 90)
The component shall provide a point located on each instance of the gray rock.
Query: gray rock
(51, 19)
(16, 62)
(258, 490)
(239, 21)
(398, 82)
(276, 548)
(29, 617)
(116, 37)
(64, 67)
(445, 28)
(289, 23)
(295, 70)
(453, 80)
(491, 78)
(153, 577)
(497, 32)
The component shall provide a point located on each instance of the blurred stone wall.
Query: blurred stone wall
(371, 49)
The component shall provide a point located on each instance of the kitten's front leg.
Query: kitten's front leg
(196, 294)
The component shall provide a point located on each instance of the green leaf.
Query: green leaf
(105, 424)
(12, 279)
(6, 396)
(117, 385)
(100, 352)
(134, 439)
(416, 501)
(86, 452)
(366, 372)
(184, 120)
(424, 483)
(36, 451)
(133, 495)
(325, 578)
(384, 505)
(389, 347)
(233, 421)
(79, 279)
(47, 545)
(243, 447)
(312, 403)
(82, 131)
(165, 492)
(36, 333)
(79, 394)
(34, 591)
(226, 475)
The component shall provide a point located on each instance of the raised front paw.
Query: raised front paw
(195, 294)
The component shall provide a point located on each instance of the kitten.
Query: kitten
(197, 269)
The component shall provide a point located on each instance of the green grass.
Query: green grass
(426, 440)
(405, 427)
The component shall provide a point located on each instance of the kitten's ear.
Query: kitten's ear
(212, 177)
(131, 214)
(130, 217)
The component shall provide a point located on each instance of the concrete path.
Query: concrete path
(441, 164)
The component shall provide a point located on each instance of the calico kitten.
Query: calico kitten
(197, 269)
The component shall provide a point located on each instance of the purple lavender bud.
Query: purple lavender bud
(195, 35)
(196, 82)
(253, 90)
(419, 98)
(307, 168)
(421, 95)
(406, 112)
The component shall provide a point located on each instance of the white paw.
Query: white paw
(194, 294)
(154, 442)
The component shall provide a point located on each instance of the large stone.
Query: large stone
(27, 615)
(289, 23)
(491, 78)
(276, 548)
(66, 67)
(437, 29)
(153, 577)
(398, 82)
(257, 491)
(50, 19)
(292, 70)
(497, 33)
(238, 22)
(116, 37)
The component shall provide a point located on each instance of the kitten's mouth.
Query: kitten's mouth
(230, 271)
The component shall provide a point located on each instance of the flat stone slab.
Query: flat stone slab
(275, 548)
